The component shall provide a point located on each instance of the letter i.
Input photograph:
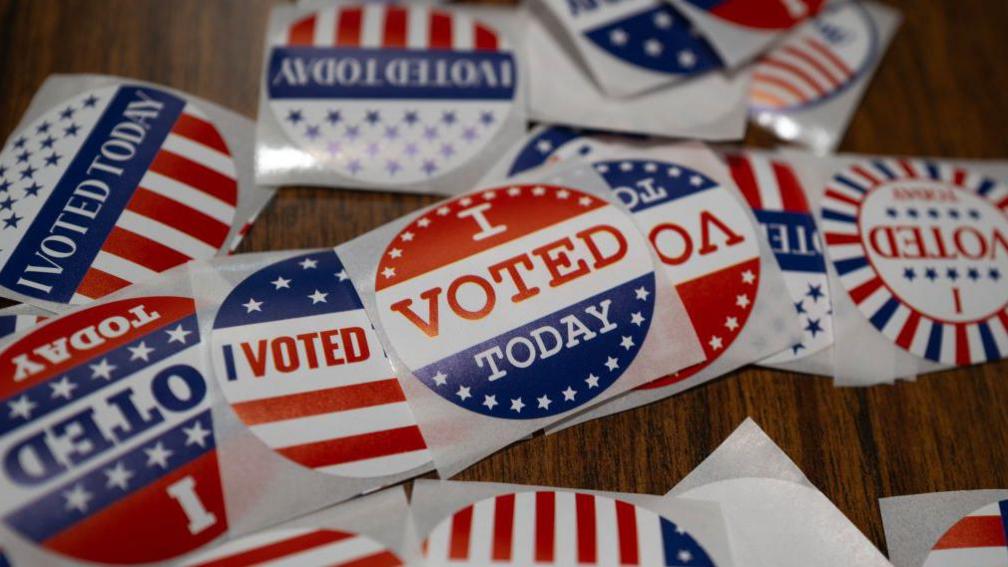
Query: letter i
(184, 492)
(478, 214)
(229, 363)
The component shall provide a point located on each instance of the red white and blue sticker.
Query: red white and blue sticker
(300, 364)
(979, 538)
(704, 240)
(391, 94)
(772, 189)
(767, 15)
(822, 59)
(561, 528)
(555, 144)
(106, 437)
(520, 302)
(922, 249)
(10, 324)
(299, 546)
(110, 188)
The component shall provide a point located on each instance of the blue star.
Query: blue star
(3, 171)
(373, 149)
(355, 166)
(814, 327)
(487, 118)
(815, 292)
(294, 116)
(67, 113)
(23, 156)
(891, 212)
(4, 185)
(800, 307)
(994, 274)
(429, 167)
(797, 347)
(952, 274)
(933, 213)
(909, 274)
(447, 150)
(391, 132)
(91, 101)
(42, 128)
(430, 133)
(412, 117)
(53, 159)
(953, 213)
(312, 132)
(12, 221)
(20, 142)
(372, 117)
(931, 274)
(974, 274)
(333, 117)
(28, 172)
(32, 190)
(469, 134)
(393, 167)
(352, 132)
(8, 203)
(975, 214)
(449, 117)
(71, 130)
(47, 143)
(912, 213)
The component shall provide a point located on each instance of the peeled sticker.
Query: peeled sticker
(303, 546)
(11, 323)
(976, 539)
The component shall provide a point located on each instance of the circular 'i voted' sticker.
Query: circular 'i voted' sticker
(301, 366)
(106, 436)
(772, 189)
(520, 302)
(299, 546)
(110, 188)
(548, 527)
(922, 250)
(978, 538)
(704, 240)
(391, 94)
(823, 59)
(761, 14)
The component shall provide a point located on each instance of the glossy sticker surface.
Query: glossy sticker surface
(107, 439)
(519, 302)
(110, 188)
(979, 538)
(301, 546)
(761, 14)
(300, 364)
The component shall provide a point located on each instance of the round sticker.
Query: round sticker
(705, 241)
(10, 324)
(772, 189)
(110, 188)
(819, 62)
(559, 143)
(520, 302)
(300, 364)
(106, 434)
(761, 14)
(976, 539)
(391, 94)
(301, 546)
(560, 528)
(922, 249)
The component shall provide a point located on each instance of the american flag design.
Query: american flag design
(106, 434)
(771, 15)
(979, 539)
(111, 188)
(560, 528)
(300, 364)
(705, 241)
(299, 546)
(10, 324)
(921, 247)
(773, 191)
(519, 302)
(391, 94)
(821, 60)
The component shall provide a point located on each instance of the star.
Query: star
(517, 405)
(815, 292)
(430, 133)
(742, 301)
(429, 167)
(8, 203)
(514, 191)
(178, 334)
(748, 277)
(23, 156)
(674, 172)
(442, 211)
(196, 435)
(391, 132)
(67, 113)
(4, 185)
(118, 476)
(312, 132)
(352, 132)
(953, 213)
(447, 150)
(141, 351)
(627, 343)
(71, 130)
(544, 146)
(102, 370)
(637, 319)
(63, 388)
(933, 213)
(602, 168)
(91, 101)
(53, 159)
(618, 37)
(684, 556)
(440, 379)
(449, 117)
(562, 194)
(490, 401)
(22, 407)
(974, 274)
(308, 264)
(696, 181)
(931, 274)
(544, 402)
(994, 274)
(974, 214)
(538, 191)
(294, 116)
(952, 274)
(42, 128)
(891, 212)
(158, 455)
(11, 221)
(412, 117)
(469, 134)
(650, 167)
(909, 274)
(800, 307)
(731, 323)
(388, 272)
(342, 275)
(408, 236)
(411, 149)
(32, 190)
(333, 117)
(912, 213)
(642, 293)
(318, 297)
(20, 142)
(653, 47)
(372, 117)
(395, 253)
(77, 498)
(611, 363)
(28, 172)
(663, 20)
(592, 381)
(686, 58)
(463, 393)
(797, 347)
(585, 201)
(486, 118)
(281, 282)
(569, 394)
(626, 166)
(715, 342)
(252, 305)
(425, 222)
(813, 327)
(392, 167)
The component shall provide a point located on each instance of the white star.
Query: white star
(388, 272)
(423, 222)
(544, 146)
(544, 402)
(463, 392)
(653, 47)
(252, 305)
(748, 277)
(637, 319)
(178, 334)
(731, 323)
(592, 381)
(517, 405)
(63, 388)
(196, 435)
(742, 301)
(395, 253)
(687, 58)
(562, 194)
(602, 168)
(342, 276)
(626, 166)
(538, 191)
(141, 351)
(611, 363)
(627, 343)
(618, 37)
(440, 379)
(650, 167)
(663, 20)
(674, 172)
(102, 370)
(490, 401)
(466, 201)
(22, 407)
(715, 342)
(118, 476)
(308, 264)
(318, 297)
(585, 201)
(407, 236)
(569, 394)
(514, 191)
(684, 556)
(696, 181)
(443, 211)
(642, 293)
(281, 282)
(489, 195)
(77, 498)
(158, 455)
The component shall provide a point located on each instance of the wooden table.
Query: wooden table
(940, 91)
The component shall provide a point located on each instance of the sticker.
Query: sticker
(302, 546)
(922, 249)
(10, 324)
(391, 94)
(705, 241)
(559, 143)
(976, 539)
(111, 188)
(760, 14)
(825, 57)
(776, 196)
(107, 440)
(300, 364)
(520, 302)
(561, 528)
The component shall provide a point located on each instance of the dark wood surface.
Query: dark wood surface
(940, 91)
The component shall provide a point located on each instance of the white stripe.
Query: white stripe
(874, 301)
(372, 25)
(192, 110)
(523, 543)
(787, 97)
(606, 530)
(842, 207)
(817, 76)
(649, 538)
(158, 232)
(437, 541)
(844, 190)
(766, 183)
(325, 28)
(367, 467)
(331, 426)
(895, 323)
(189, 196)
(255, 541)
(122, 268)
(463, 34)
(971, 557)
(921, 336)
(853, 279)
(201, 154)
(331, 554)
(565, 538)
(948, 343)
(808, 93)
(481, 540)
(827, 62)
(417, 27)
(838, 252)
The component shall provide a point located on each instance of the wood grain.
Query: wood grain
(940, 91)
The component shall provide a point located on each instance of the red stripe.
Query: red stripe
(279, 549)
(178, 216)
(974, 531)
(97, 283)
(796, 71)
(862, 291)
(586, 529)
(348, 26)
(440, 33)
(486, 39)
(1003, 203)
(835, 238)
(201, 132)
(332, 400)
(545, 527)
(394, 34)
(626, 526)
(380, 559)
(959, 176)
(503, 528)
(741, 170)
(962, 348)
(866, 174)
(908, 331)
(356, 447)
(907, 168)
(792, 195)
(832, 193)
(461, 531)
(196, 175)
(825, 52)
(815, 63)
(1003, 317)
(303, 32)
(791, 89)
(142, 250)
